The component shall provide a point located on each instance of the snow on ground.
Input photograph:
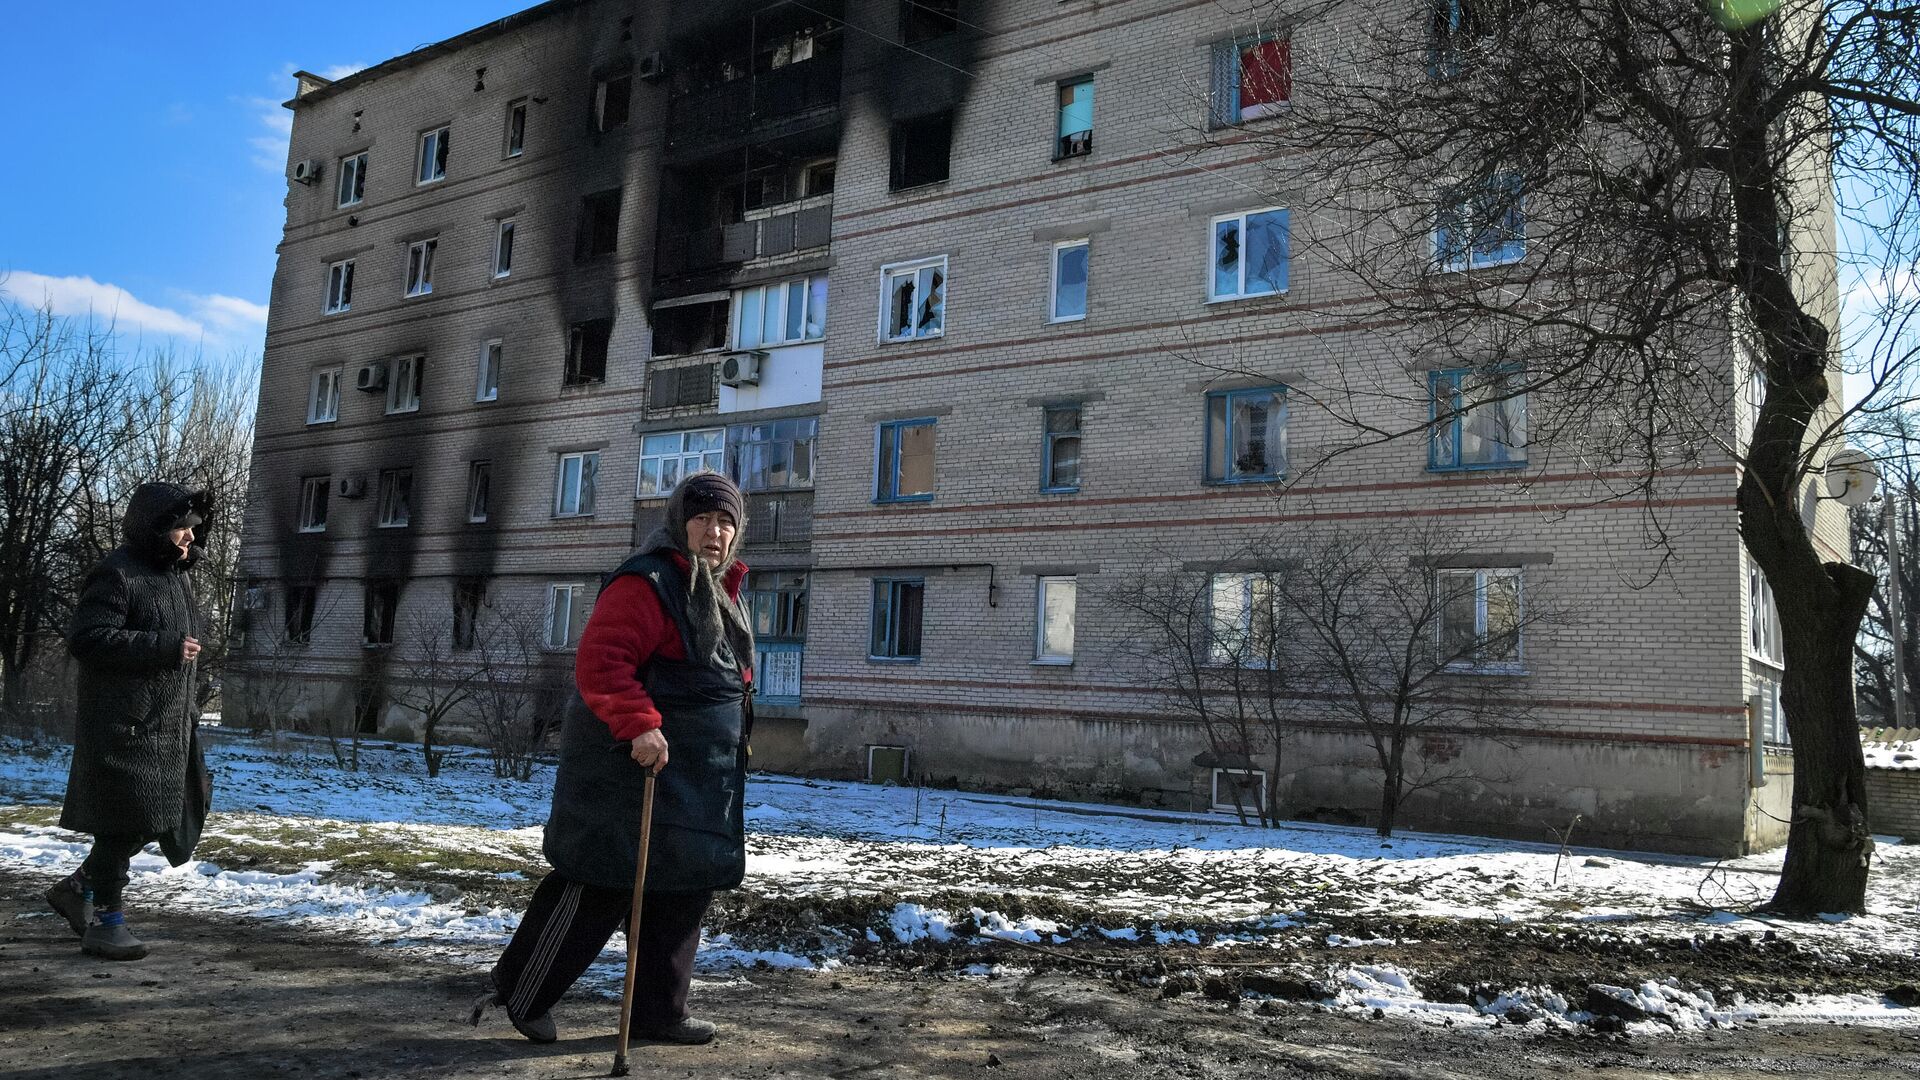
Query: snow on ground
(1196, 879)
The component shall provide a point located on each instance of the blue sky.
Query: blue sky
(148, 149)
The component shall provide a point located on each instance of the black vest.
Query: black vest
(699, 835)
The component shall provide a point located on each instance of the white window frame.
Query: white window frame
(893, 270)
(682, 458)
(583, 477)
(1053, 289)
(403, 394)
(1042, 585)
(429, 168)
(503, 237)
(1227, 805)
(1213, 256)
(572, 594)
(1225, 633)
(347, 194)
(339, 288)
(1763, 619)
(1514, 665)
(780, 291)
(420, 270)
(309, 521)
(383, 511)
(493, 353)
(518, 106)
(473, 488)
(324, 389)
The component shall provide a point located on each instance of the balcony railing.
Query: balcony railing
(777, 670)
(735, 109)
(742, 241)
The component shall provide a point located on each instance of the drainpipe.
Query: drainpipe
(1895, 614)
(1756, 742)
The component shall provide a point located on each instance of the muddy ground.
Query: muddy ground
(228, 998)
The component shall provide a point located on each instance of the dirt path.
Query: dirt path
(223, 998)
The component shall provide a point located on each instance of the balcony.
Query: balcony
(718, 246)
(759, 106)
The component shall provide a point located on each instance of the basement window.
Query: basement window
(922, 149)
(587, 344)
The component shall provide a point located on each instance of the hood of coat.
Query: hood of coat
(156, 508)
(660, 540)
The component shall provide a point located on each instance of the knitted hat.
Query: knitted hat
(708, 491)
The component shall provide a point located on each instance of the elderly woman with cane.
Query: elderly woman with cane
(663, 671)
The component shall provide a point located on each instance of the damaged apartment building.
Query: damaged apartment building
(936, 284)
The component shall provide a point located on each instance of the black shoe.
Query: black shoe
(688, 1032)
(69, 900)
(540, 1029)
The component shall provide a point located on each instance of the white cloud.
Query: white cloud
(229, 313)
(340, 71)
(212, 319)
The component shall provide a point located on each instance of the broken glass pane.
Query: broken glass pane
(1226, 258)
(1266, 253)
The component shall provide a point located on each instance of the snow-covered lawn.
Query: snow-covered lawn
(390, 856)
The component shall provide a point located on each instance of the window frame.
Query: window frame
(914, 267)
(389, 496)
(515, 135)
(504, 231)
(886, 489)
(493, 354)
(1040, 654)
(390, 592)
(1281, 396)
(314, 519)
(1514, 665)
(296, 617)
(479, 490)
(737, 312)
(339, 299)
(601, 95)
(1232, 808)
(1248, 583)
(1213, 254)
(893, 586)
(1048, 437)
(1449, 429)
(1062, 148)
(738, 441)
(1222, 111)
(679, 457)
(1511, 248)
(415, 364)
(583, 337)
(786, 605)
(326, 375)
(433, 149)
(419, 279)
(1762, 636)
(586, 484)
(469, 596)
(358, 171)
(575, 593)
(1060, 248)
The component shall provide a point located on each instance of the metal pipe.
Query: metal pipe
(1895, 618)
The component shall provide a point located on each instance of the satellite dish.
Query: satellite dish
(1851, 477)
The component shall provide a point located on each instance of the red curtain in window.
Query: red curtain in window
(1266, 74)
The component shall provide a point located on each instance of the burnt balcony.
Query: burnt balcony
(765, 104)
(720, 246)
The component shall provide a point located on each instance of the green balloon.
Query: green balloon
(1739, 14)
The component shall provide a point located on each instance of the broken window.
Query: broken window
(599, 225)
(1075, 136)
(382, 604)
(1479, 420)
(516, 127)
(1251, 78)
(922, 20)
(468, 595)
(1479, 624)
(1060, 448)
(679, 329)
(1247, 434)
(323, 403)
(774, 455)
(420, 266)
(587, 344)
(503, 249)
(434, 146)
(492, 353)
(573, 489)
(921, 150)
(340, 287)
(1249, 255)
(905, 472)
(897, 608)
(313, 503)
(566, 615)
(913, 300)
(403, 385)
(479, 491)
(396, 498)
(612, 99)
(353, 179)
(819, 178)
(299, 613)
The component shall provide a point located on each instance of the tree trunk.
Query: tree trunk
(426, 744)
(1390, 784)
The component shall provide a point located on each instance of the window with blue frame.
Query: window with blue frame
(1076, 119)
(1479, 420)
(1249, 255)
(1481, 223)
(1455, 26)
(1247, 434)
(897, 607)
(904, 459)
(1060, 452)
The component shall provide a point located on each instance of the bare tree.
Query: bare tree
(441, 676)
(518, 690)
(1890, 437)
(1621, 210)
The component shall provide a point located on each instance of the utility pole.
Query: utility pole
(1895, 620)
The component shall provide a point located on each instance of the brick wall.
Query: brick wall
(1894, 795)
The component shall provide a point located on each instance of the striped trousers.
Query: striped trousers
(568, 924)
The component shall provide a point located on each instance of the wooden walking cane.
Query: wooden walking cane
(633, 929)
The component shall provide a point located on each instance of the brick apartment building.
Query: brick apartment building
(947, 290)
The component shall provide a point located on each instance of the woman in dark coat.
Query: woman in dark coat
(665, 658)
(136, 775)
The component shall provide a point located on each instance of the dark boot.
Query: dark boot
(112, 941)
(70, 900)
(540, 1029)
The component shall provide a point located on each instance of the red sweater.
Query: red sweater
(628, 627)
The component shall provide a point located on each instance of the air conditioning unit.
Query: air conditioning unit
(651, 67)
(306, 172)
(741, 369)
(353, 487)
(371, 377)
